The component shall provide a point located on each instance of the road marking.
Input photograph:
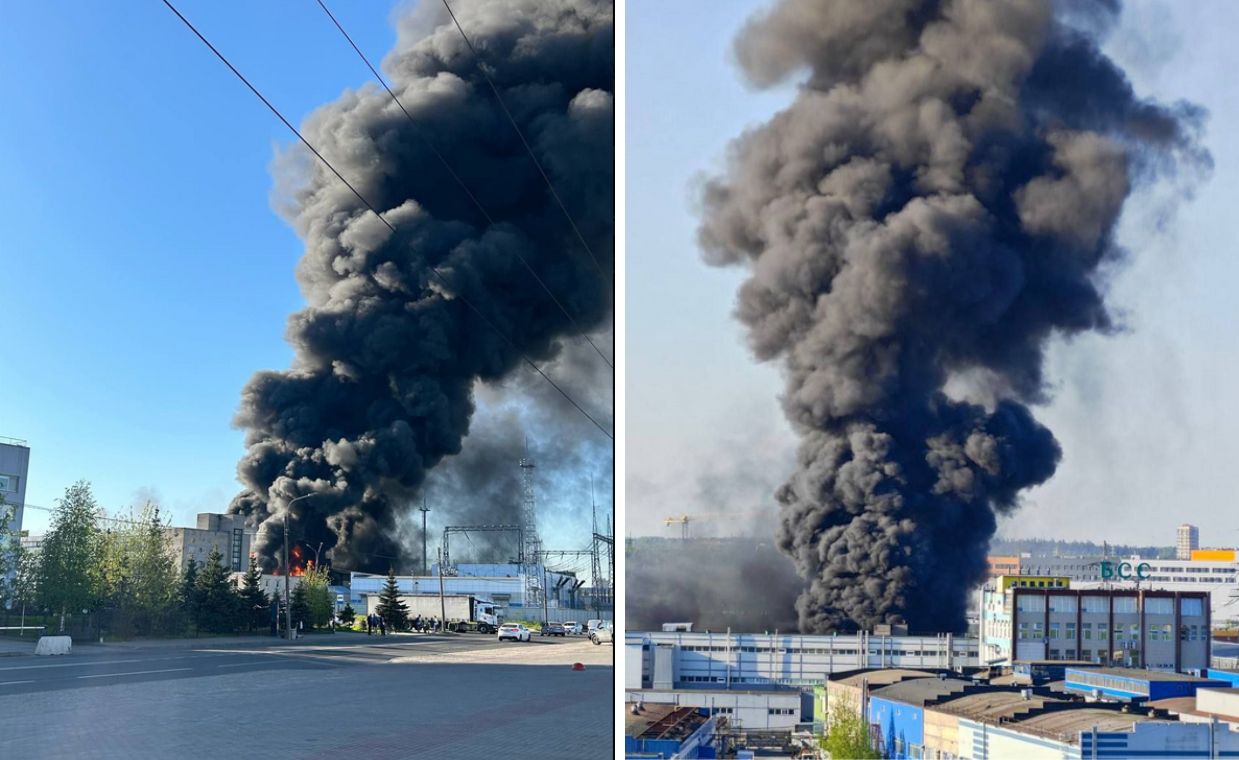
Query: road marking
(237, 665)
(134, 673)
(13, 683)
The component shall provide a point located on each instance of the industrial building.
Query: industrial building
(752, 709)
(667, 731)
(1215, 571)
(503, 583)
(14, 467)
(934, 715)
(1165, 630)
(1131, 685)
(227, 533)
(705, 660)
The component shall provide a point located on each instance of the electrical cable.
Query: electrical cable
(380, 217)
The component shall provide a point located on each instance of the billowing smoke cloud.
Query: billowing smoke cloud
(741, 583)
(387, 354)
(937, 203)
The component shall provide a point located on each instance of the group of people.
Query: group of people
(376, 624)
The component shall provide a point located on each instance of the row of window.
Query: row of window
(836, 652)
(1129, 632)
(1153, 605)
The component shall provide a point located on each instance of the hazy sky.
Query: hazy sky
(143, 272)
(1146, 418)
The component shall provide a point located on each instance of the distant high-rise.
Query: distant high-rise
(1188, 539)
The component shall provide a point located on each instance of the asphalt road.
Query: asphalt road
(388, 698)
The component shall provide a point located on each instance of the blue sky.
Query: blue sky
(1146, 418)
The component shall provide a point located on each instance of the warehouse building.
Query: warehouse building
(1165, 630)
(756, 710)
(667, 731)
(227, 533)
(918, 715)
(1127, 684)
(706, 660)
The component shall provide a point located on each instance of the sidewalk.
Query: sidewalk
(17, 647)
(217, 642)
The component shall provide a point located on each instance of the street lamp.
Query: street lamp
(288, 596)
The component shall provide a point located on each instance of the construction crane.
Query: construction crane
(684, 520)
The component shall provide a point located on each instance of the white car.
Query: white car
(602, 633)
(572, 628)
(515, 632)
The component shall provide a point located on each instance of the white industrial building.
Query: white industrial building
(665, 660)
(227, 533)
(502, 583)
(753, 710)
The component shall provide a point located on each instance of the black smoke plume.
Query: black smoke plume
(387, 354)
(741, 582)
(937, 203)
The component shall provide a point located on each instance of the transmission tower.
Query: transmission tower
(531, 551)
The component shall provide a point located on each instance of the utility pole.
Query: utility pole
(546, 617)
(288, 596)
(442, 602)
(424, 510)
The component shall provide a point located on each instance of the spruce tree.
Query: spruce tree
(348, 614)
(302, 619)
(219, 604)
(391, 608)
(189, 592)
(254, 598)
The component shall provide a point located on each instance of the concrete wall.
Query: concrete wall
(979, 741)
(941, 734)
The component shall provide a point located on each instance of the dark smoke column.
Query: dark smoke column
(932, 208)
(387, 355)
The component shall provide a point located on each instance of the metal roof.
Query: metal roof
(1065, 725)
(1136, 674)
(883, 676)
(918, 691)
(993, 705)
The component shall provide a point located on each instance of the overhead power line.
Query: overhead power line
(528, 148)
(459, 180)
(434, 270)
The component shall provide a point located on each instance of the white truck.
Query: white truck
(464, 612)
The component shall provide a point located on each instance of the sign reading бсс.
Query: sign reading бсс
(1124, 571)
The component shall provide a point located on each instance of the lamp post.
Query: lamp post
(424, 509)
(288, 596)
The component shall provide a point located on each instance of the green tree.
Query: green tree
(253, 598)
(187, 596)
(9, 544)
(347, 614)
(219, 604)
(301, 608)
(151, 574)
(68, 573)
(391, 608)
(318, 596)
(847, 734)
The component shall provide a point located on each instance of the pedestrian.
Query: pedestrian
(382, 626)
(369, 619)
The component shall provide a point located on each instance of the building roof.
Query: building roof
(918, 691)
(662, 722)
(882, 676)
(1137, 674)
(1065, 725)
(993, 705)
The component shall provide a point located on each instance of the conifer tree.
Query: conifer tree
(302, 619)
(254, 599)
(391, 608)
(219, 604)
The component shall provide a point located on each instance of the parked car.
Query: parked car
(591, 625)
(602, 633)
(515, 632)
(552, 629)
(572, 628)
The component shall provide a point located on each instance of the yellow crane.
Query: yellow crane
(684, 519)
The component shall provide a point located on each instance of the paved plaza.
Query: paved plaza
(345, 696)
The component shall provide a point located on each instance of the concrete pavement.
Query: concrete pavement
(389, 699)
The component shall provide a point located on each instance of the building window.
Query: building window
(1093, 604)
(1191, 607)
(1124, 604)
(1053, 630)
(8, 483)
(1103, 631)
(1071, 632)
(1086, 631)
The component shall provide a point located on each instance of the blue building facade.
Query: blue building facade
(1135, 685)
